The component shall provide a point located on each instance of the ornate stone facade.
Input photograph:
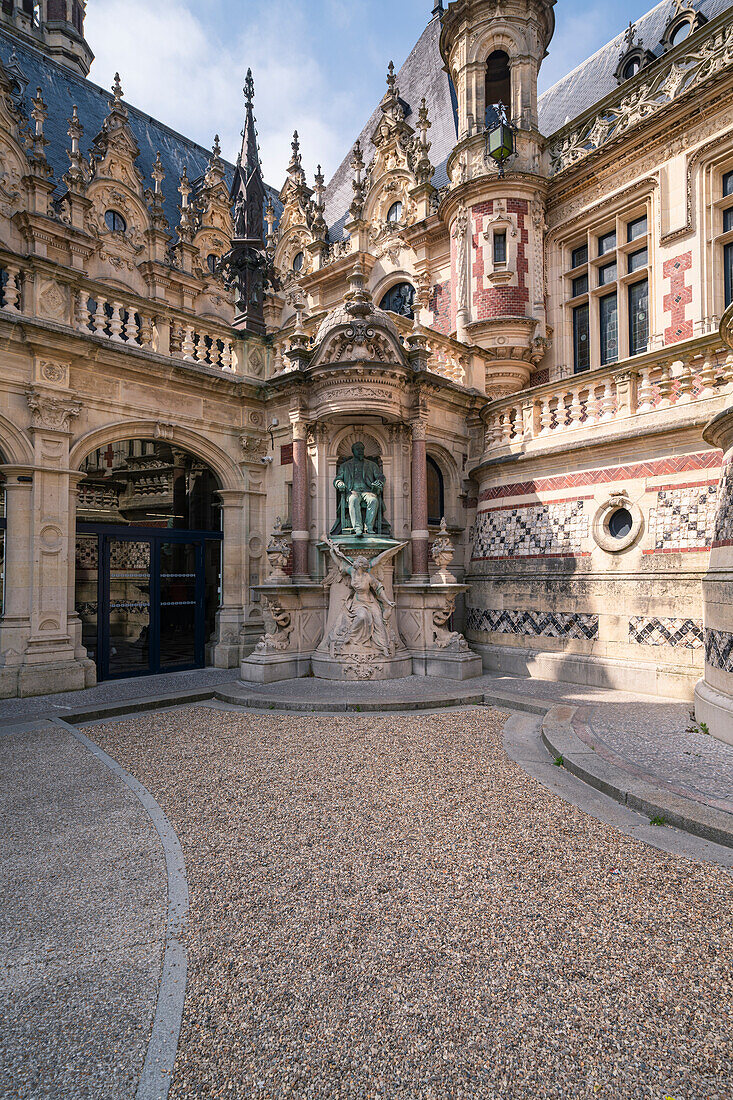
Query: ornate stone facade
(529, 352)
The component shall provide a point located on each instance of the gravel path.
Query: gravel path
(388, 906)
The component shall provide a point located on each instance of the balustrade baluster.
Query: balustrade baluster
(201, 349)
(226, 356)
(131, 327)
(685, 377)
(187, 344)
(100, 317)
(115, 322)
(592, 408)
(146, 331)
(576, 409)
(646, 391)
(215, 352)
(707, 379)
(665, 387)
(11, 290)
(83, 315)
(608, 402)
(545, 417)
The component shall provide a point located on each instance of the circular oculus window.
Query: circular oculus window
(617, 525)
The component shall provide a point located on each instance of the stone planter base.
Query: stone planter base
(357, 669)
(266, 668)
(715, 709)
(451, 666)
(25, 680)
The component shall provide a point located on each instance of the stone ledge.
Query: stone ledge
(643, 795)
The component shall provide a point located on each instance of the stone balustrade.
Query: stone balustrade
(112, 319)
(610, 394)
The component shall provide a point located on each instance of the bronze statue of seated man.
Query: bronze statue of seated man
(362, 481)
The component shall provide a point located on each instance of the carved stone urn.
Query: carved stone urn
(442, 554)
(278, 555)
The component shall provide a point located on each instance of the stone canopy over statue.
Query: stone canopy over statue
(360, 486)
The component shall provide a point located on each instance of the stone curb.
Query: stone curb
(642, 795)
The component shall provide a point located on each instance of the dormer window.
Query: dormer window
(399, 299)
(298, 261)
(632, 67)
(114, 221)
(680, 33)
(394, 213)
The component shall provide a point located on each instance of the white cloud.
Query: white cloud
(181, 71)
(577, 36)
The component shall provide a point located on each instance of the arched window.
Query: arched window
(211, 261)
(436, 492)
(298, 261)
(114, 221)
(632, 67)
(498, 85)
(395, 212)
(399, 299)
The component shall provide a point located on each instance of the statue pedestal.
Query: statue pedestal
(423, 612)
(294, 624)
(361, 640)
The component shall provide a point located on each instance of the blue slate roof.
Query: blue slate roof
(594, 79)
(61, 89)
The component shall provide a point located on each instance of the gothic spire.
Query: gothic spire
(250, 154)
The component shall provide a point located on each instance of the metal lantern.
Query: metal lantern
(500, 144)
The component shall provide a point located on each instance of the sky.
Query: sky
(319, 65)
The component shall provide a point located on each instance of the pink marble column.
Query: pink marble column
(419, 533)
(300, 502)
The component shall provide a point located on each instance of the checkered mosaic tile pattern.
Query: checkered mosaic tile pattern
(537, 529)
(719, 649)
(684, 519)
(686, 633)
(724, 515)
(537, 624)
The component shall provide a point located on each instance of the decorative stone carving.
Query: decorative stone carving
(254, 447)
(363, 624)
(276, 639)
(278, 555)
(672, 80)
(54, 372)
(442, 554)
(443, 638)
(51, 412)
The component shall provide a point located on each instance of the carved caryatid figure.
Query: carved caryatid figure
(364, 620)
(361, 481)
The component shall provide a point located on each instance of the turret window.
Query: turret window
(498, 85)
(114, 221)
(395, 212)
(211, 261)
(499, 247)
(298, 261)
(399, 299)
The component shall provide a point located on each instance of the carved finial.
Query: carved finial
(75, 176)
(184, 187)
(117, 88)
(295, 159)
(438, 8)
(249, 89)
(158, 174)
(630, 35)
(39, 114)
(319, 177)
(391, 79)
(216, 147)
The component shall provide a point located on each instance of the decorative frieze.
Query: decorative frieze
(683, 633)
(684, 518)
(537, 624)
(719, 649)
(555, 529)
(674, 78)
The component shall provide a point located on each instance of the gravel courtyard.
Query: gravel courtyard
(388, 906)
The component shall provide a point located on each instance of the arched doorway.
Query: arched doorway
(3, 536)
(148, 557)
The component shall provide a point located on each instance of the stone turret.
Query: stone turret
(56, 27)
(496, 215)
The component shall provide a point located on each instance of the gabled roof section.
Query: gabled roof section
(421, 75)
(61, 89)
(596, 77)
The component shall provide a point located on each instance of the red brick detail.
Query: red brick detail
(533, 504)
(704, 460)
(441, 308)
(679, 297)
(286, 454)
(505, 301)
(678, 550)
(533, 557)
